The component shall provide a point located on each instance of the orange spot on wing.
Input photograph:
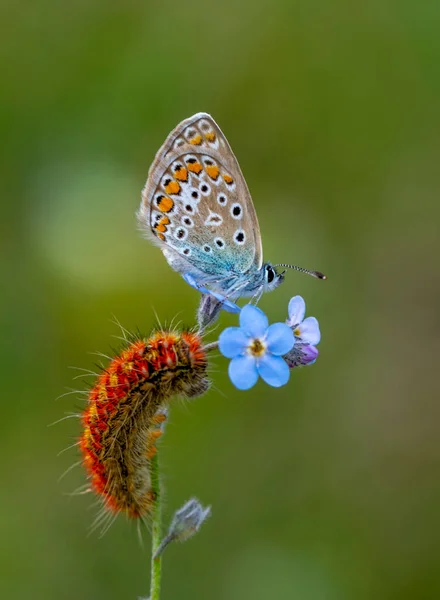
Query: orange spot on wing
(161, 236)
(210, 136)
(172, 188)
(161, 225)
(181, 174)
(195, 168)
(165, 204)
(196, 140)
(228, 178)
(213, 171)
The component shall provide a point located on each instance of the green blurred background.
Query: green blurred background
(328, 488)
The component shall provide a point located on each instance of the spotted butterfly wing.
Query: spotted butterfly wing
(197, 207)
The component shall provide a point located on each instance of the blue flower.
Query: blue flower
(306, 332)
(256, 349)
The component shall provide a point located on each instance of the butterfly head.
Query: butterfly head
(272, 279)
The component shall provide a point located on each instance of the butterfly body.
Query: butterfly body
(197, 208)
(233, 284)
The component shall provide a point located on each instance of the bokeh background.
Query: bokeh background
(326, 489)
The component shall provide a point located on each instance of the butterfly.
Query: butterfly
(197, 208)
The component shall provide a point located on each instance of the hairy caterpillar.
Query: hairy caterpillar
(126, 411)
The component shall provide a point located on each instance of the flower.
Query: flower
(256, 349)
(306, 332)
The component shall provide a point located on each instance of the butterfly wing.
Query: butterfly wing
(197, 207)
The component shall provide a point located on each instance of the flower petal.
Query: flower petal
(280, 338)
(243, 372)
(253, 321)
(309, 331)
(232, 342)
(310, 354)
(274, 370)
(297, 310)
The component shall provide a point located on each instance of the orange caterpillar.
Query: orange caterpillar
(126, 410)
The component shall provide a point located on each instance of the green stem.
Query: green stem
(156, 563)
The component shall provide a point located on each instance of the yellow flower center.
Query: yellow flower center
(297, 332)
(257, 347)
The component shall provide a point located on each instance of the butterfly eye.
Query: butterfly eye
(270, 274)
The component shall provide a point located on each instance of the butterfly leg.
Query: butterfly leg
(226, 304)
(237, 288)
(257, 296)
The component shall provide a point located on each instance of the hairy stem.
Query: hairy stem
(211, 346)
(156, 562)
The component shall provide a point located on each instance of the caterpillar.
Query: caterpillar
(126, 412)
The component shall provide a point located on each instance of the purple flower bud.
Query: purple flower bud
(301, 355)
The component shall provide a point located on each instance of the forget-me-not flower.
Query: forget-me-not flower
(306, 332)
(256, 349)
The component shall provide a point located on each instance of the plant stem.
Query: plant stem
(156, 535)
(211, 346)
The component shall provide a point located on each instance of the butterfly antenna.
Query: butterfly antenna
(316, 274)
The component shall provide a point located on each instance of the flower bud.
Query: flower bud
(186, 523)
(301, 355)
